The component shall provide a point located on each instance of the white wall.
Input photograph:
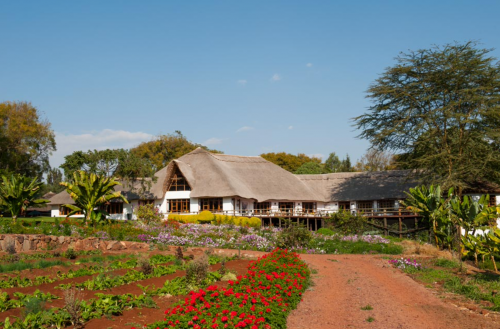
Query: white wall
(193, 205)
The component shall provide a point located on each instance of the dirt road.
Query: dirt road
(346, 283)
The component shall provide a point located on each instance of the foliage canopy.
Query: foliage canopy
(26, 140)
(165, 148)
(439, 110)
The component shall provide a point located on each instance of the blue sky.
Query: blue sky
(245, 77)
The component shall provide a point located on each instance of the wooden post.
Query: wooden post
(400, 228)
(307, 221)
(386, 231)
(279, 221)
(315, 224)
(322, 222)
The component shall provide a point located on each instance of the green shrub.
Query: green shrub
(293, 235)
(325, 231)
(346, 223)
(70, 254)
(148, 213)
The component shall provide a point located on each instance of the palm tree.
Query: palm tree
(89, 191)
(429, 203)
(18, 192)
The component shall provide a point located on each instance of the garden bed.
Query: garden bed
(128, 292)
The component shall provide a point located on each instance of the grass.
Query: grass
(367, 308)
(360, 247)
(447, 263)
(477, 287)
(370, 319)
(100, 259)
(19, 266)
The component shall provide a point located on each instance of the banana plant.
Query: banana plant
(490, 244)
(18, 193)
(429, 203)
(472, 245)
(472, 214)
(89, 191)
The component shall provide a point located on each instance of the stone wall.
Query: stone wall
(40, 242)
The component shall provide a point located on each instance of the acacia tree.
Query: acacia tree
(439, 110)
(17, 193)
(89, 191)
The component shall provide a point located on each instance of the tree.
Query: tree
(53, 180)
(18, 192)
(375, 160)
(439, 110)
(346, 165)
(310, 168)
(289, 161)
(89, 191)
(165, 148)
(118, 163)
(333, 163)
(26, 140)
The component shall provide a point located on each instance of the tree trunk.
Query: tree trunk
(475, 258)
(494, 264)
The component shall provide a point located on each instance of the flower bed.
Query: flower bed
(262, 298)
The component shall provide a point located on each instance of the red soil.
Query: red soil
(344, 286)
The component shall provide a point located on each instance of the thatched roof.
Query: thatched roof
(360, 186)
(220, 175)
(46, 196)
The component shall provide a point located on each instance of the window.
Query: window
(493, 200)
(179, 205)
(178, 182)
(364, 206)
(385, 205)
(344, 205)
(262, 207)
(211, 204)
(64, 211)
(286, 206)
(308, 207)
(112, 208)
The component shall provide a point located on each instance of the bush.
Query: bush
(208, 217)
(325, 231)
(197, 270)
(346, 223)
(294, 235)
(70, 254)
(144, 264)
(148, 213)
(205, 217)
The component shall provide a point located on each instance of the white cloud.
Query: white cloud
(212, 141)
(242, 82)
(309, 64)
(244, 129)
(96, 140)
(290, 127)
(276, 77)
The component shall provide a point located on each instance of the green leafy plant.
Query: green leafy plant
(89, 191)
(18, 192)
